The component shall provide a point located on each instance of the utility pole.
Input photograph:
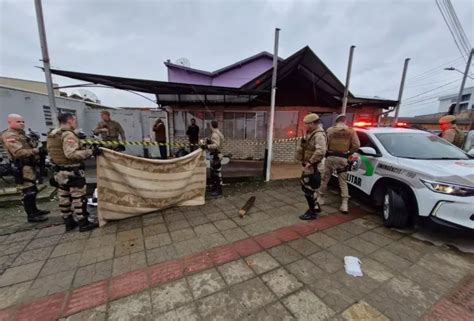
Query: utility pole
(400, 92)
(46, 64)
(269, 152)
(348, 79)
(466, 72)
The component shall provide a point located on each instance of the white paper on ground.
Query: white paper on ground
(352, 266)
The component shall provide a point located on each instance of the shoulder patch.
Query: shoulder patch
(70, 141)
(11, 139)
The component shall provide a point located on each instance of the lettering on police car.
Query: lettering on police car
(354, 180)
(390, 168)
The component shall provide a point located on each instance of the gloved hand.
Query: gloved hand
(96, 151)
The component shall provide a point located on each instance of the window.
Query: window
(466, 97)
(182, 120)
(286, 124)
(365, 141)
(48, 118)
(64, 110)
(463, 106)
(245, 125)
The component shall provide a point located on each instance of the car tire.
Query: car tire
(395, 211)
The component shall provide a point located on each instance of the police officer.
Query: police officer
(450, 130)
(68, 155)
(214, 145)
(110, 130)
(23, 153)
(310, 151)
(342, 142)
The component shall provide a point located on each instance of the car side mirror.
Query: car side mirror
(368, 151)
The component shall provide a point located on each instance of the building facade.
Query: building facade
(449, 101)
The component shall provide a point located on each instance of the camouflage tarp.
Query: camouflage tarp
(129, 186)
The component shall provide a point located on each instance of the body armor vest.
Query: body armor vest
(55, 148)
(458, 138)
(340, 140)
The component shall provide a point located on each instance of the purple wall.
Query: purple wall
(240, 75)
(234, 77)
(187, 77)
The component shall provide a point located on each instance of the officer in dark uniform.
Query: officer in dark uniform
(67, 154)
(214, 145)
(23, 154)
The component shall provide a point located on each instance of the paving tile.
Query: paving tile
(43, 242)
(341, 250)
(69, 248)
(395, 311)
(178, 225)
(6, 261)
(361, 245)
(353, 228)
(48, 231)
(95, 314)
(304, 246)
(275, 311)
(152, 219)
(13, 248)
(305, 305)
(110, 228)
(446, 310)
(19, 274)
(90, 256)
(327, 261)
(182, 235)
(390, 233)
(234, 234)
(267, 240)
(187, 312)
(212, 240)
(252, 294)
(455, 270)
(390, 260)
(188, 247)
(335, 294)
(92, 273)
(247, 247)
(236, 272)
(128, 247)
(226, 224)
(173, 217)
(306, 271)
(261, 262)
(204, 283)
(128, 283)
(158, 240)
(128, 263)
(427, 279)
(60, 264)
(281, 282)
(51, 284)
(161, 254)
(87, 297)
(220, 306)
(166, 272)
(364, 284)
(205, 229)
(128, 235)
(322, 240)
(170, 296)
(199, 220)
(286, 234)
(196, 263)
(363, 311)
(134, 307)
(101, 241)
(376, 238)
(375, 270)
(409, 254)
(13, 294)
(70, 237)
(20, 236)
(129, 224)
(284, 254)
(219, 215)
(40, 254)
(48, 308)
(223, 254)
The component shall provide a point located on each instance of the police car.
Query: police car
(413, 173)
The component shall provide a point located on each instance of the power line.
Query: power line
(449, 26)
(446, 84)
(458, 24)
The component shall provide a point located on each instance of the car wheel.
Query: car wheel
(395, 212)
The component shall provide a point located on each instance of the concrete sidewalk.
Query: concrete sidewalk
(205, 263)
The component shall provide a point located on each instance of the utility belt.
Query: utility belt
(73, 168)
(78, 180)
(337, 154)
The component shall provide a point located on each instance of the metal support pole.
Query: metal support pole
(466, 72)
(272, 109)
(400, 92)
(46, 64)
(348, 79)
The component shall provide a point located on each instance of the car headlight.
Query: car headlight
(448, 188)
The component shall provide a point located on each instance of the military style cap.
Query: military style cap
(447, 119)
(308, 119)
(105, 112)
(340, 116)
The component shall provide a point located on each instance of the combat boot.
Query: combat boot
(321, 199)
(29, 205)
(217, 191)
(309, 215)
(70, 223)
(85, 225)
(37, 211)
(344, 209)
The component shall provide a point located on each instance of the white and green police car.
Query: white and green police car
(412, 174)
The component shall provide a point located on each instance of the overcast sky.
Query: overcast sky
(134, 38)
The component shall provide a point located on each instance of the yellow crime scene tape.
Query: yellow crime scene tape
(150, 143)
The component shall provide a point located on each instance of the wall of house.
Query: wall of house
(187, 77)
(238, 76)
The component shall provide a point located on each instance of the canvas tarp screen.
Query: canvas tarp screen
(129, 186)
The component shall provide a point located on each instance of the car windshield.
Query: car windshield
(419, 146)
